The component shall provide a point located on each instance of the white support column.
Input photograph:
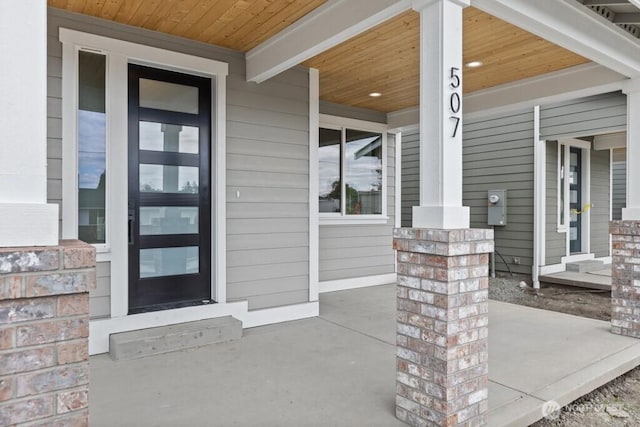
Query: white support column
(26, 219)
(632, 211)
(440, 115)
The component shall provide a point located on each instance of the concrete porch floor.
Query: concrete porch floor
(599, 279)
(339, 370)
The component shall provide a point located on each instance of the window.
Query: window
(91, 147)
(351, 170)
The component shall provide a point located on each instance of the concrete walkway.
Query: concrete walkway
(339, 370)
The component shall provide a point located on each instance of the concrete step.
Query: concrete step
(164, 339)
(585, 266)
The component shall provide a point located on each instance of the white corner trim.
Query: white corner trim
(539, 198)
(357, 282)
(219, 195)
(321, 29)
(314, 231)
(100, 329)
(398, 180)
(287, 313)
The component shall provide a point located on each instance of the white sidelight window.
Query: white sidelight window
(352, 170)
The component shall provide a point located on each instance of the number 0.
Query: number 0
(454, 102)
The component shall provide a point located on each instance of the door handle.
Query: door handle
(131, 223)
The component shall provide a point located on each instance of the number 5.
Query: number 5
(456, 78)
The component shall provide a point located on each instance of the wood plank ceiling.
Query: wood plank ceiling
(383, 59)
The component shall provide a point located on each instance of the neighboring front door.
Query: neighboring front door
(169, 189)
(575, 200)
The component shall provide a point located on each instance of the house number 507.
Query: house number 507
(454, 100)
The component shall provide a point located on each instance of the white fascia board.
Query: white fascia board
(571, 25)
(557, 86)
(325, 27)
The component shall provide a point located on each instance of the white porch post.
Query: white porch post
(440, 115)
(632, 211)
(26, 218)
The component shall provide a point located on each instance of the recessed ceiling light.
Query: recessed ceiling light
(474, 64)
(375, 94)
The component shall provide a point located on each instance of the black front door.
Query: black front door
(575, 200)
(169, 189)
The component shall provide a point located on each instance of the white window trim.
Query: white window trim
(119, 55)
(342, 123)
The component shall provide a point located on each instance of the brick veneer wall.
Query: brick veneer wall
(442, 326)
(44, 330)
(625, 278)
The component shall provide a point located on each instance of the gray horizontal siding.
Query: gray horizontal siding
(588, 116)
(498, 154)
(267, 163)
(619, 188)
(349, 251)
(556, 243)
(600, 204)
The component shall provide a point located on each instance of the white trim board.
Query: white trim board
(101, 329)
(119, 54)
(357, 282)
(314, 226)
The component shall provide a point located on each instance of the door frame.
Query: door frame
(585, 178)
(119, 54)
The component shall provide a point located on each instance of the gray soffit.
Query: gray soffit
(623, 13)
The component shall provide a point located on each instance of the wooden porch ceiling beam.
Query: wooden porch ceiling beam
(571, 25)
(327, 26)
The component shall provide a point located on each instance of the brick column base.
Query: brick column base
(442, 318)
(625, 278)
(44, 330)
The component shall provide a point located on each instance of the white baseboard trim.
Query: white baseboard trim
(356, 282)
(285, 313)
(100, 329)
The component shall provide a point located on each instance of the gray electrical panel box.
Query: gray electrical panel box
(497, 207)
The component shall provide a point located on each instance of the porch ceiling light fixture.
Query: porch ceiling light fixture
(474, 64)
(375, 94)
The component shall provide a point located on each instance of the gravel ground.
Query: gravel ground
(614, 404)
